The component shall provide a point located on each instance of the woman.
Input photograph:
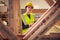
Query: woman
(28, 16)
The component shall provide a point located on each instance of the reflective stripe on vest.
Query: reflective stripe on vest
(23, 19)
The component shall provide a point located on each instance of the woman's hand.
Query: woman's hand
(30, 24)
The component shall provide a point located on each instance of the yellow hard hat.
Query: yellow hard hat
(29, 4)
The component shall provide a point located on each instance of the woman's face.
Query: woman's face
(29, 9)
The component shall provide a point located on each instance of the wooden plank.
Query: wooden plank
(39, 10)
(49, 37)
(54, 35)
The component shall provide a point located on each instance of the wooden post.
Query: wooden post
(14, 17)
(16, 11)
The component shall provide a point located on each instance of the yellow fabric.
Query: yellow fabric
(29, 4)
(27, 19)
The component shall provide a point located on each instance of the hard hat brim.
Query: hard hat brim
(27, 6)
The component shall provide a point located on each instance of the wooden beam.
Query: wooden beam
(36, 10)
(50, 2)
(39, 10)
(17, 17)
(14, 16)
(7, 33)
(50, 36)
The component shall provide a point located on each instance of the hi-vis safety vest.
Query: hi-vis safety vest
(26, 20)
